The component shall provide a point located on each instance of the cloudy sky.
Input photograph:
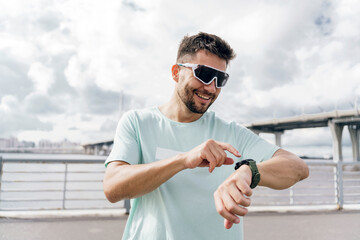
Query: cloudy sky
(69, 69)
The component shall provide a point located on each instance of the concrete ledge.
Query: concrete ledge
(307, 208)
(63, 213)
(283, 209)
(121, 212)
(352, 207)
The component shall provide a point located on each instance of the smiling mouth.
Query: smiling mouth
(202, 96)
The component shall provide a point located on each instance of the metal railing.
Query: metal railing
(329, 183)
(49, 184)
(39, 184)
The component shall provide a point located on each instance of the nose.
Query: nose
(211, 88)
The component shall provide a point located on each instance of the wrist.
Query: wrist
(180, 159)
(255, 175)
(247, 170)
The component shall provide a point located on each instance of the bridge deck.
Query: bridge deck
(307, 121)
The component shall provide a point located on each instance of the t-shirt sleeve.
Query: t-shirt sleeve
(254, 147)
(126, 144)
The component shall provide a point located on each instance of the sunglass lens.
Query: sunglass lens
(221, 81)
(207, 74)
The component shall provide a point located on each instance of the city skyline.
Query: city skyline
(43, 146)
(15, 143)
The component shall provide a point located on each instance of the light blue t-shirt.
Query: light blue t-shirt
(183, 207)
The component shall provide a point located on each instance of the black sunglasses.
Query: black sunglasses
(206, 74)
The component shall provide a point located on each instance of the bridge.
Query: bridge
(335, 120)
(99, 148)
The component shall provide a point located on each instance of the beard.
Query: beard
(186, 95)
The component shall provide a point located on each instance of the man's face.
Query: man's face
(197, 96)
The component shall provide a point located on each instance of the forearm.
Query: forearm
(131, 181)
(282, 171)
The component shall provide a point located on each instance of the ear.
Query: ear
(175, 72)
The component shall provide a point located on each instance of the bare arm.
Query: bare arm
(123, 180)
(281, 171)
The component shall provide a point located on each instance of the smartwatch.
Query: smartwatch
(255, 179)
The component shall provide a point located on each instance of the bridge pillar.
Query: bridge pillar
(97, 149)
(336, 132)
(354, 135)
(87, 149)
(278, 138)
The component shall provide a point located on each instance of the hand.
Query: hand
(232, 196)
(210, 154)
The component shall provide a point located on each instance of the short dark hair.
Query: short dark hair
(205, 41)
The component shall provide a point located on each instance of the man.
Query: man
(176, 161)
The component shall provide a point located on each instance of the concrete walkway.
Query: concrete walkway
(329, 225)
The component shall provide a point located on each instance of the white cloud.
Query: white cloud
(8, 103)
(292, 57)
(74, 73)
(14, 119)
(42, 76)
(17, 47)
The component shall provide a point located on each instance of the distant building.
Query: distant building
(27, 144)
(3, 143)
(12, 142)
(44, 146)
(45, 143)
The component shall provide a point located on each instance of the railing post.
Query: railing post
(339, 185)
(127, 205)
(65, 183)
(291, 195)
(1, 173)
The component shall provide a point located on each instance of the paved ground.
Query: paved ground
(330, 225)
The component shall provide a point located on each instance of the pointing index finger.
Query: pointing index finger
(229, 148)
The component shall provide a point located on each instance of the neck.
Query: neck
(177, 111)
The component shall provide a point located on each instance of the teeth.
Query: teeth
(202, 96)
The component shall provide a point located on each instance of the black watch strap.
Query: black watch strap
(255, 179)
